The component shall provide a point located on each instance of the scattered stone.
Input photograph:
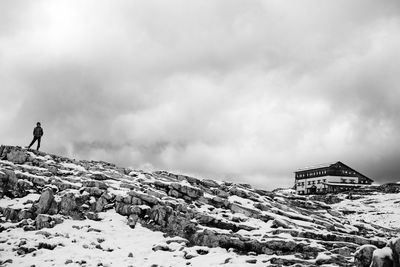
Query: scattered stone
(161, 247)
(46, 246)
(252, 261)
(44, 233)
(93, 230)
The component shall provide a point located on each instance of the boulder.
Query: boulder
(394, 244)
(238, 192)
(282, 245)
(46, 221)
(159, 214)
(17, 156)
(278, 222)
(1, 151)
(147, 198)
(343, 251)
(45, 201)
(100, 204)
(43, 221)
(236, 208)
(363, 255)
(68, 204)
(99, 176)
(10, 213)
(93, 183)
(132, 220)
(190, 191)
(209, 183)
(382, 258)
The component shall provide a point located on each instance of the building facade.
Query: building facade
(328, 178)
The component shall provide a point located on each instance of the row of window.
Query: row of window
(309, 174)
(343, 180)
(348, 172)
(319, 190)
(311, 182)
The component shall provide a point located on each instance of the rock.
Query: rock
(92, 183)
(29, 228)
(39, 181)
(92, 216)
(189, 255)
(343, 251)
(68, 202)
(209, 183)
(144, 197)
(46, 246)
(132, 220)
(100, 204)
(277, 222)
(238, 192)
(44, 233)
(236, 208)
(99, 176)
(190, 191)
(155, 193)
(17, 156)
(43, 221)
(25, 214)
(283, 245)
(363, 255)
(162, 247)
(1, 151)
(159, 214)
(94, 191)
(394, 244)
(47, 221)
(22, 250)
(45, 201)
(72, 204)
(10, 213)
(174, 193)
(382, 258)
(220, 193)
(93, 230)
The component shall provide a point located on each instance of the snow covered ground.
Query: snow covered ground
(379, 208)
(109, 242)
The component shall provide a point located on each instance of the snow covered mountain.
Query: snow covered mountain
(57, 211)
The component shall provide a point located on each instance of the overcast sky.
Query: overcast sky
(246, 91)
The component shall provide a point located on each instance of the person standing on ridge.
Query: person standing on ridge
(37, 135)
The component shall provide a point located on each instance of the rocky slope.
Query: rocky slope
(53, 204)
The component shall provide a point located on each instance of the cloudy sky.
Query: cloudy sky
(234, 90)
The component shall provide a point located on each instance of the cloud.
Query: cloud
(237, 90)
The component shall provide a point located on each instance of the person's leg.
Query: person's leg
(33, 141)
(38, 143)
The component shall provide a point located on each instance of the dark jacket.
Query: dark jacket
(38, 131)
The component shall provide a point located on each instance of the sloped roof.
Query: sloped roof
(318, 166)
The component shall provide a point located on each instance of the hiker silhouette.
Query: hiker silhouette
(37, 135)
